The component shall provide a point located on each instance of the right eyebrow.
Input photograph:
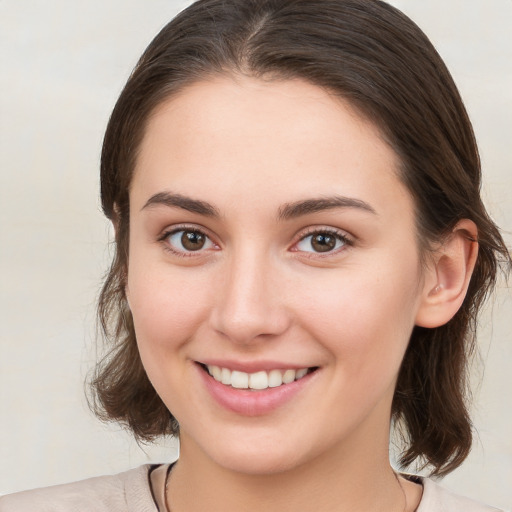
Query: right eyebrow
(180, 201)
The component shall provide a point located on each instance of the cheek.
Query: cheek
(167, 306)
(168, 309)
(365, 316)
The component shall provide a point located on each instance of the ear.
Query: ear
(115, 219)
(447, 278)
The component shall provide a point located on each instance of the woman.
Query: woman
(301, 254)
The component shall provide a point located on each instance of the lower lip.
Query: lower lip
(253, 403)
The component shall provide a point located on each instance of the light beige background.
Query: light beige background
(63, 64)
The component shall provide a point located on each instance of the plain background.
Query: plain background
(63, 65)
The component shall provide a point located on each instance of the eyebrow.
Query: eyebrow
(286, 212)
(307, 206)
(183, 202)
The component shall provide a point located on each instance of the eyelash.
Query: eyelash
(338, 235)
(341, 236)
(185, 229)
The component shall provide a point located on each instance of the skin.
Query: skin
(258, 291)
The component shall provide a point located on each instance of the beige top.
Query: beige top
(142, 490)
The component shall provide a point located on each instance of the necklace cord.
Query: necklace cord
(403, 491)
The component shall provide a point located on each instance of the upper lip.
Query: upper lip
(253, 366)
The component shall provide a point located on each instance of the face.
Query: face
(274, 275)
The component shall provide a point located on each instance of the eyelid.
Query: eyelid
(195, 228)
(346, 237)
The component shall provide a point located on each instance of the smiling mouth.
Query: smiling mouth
(256, 381)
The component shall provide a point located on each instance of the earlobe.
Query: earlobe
(448, 277)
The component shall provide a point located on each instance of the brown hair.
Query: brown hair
(376, 58)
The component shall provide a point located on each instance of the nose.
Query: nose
(251, 301)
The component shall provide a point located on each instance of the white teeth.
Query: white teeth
(239, 380)
(225, 376)
(300, 373)
(290, 375)
(216, 372)
(275, 379)
(259, 380)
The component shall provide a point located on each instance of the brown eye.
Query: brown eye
(192, 241)
(322, 241)
(188, 240)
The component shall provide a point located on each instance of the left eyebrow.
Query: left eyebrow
(296, 209)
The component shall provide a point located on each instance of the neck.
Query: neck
(338, 481)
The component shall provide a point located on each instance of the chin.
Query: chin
(255, 455)
(260, 464)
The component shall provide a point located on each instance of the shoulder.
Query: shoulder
(437, 499)
(127, 492)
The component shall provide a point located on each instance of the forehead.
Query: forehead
(228, 134)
